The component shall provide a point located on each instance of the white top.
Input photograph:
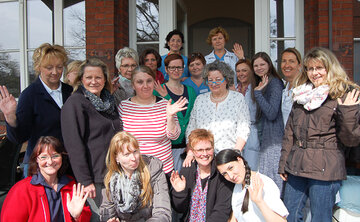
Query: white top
(56, 94)
(271, 196)
(286, 102)
(228, 121)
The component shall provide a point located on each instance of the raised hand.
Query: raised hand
(238, 50)
(113, 220)
(161, 89)
(352, 98)
(177, 182)
(8, 106)
(76, 204)
(256, 189)
(189, 159)
(263, 83)
(115, 84)
(172, 109)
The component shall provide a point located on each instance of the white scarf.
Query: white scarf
(310, 97)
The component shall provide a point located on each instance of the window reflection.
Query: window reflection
(282, 18)
(147, 20)
(74, 24)
(10, 72)
(39, 23)
(9, 28)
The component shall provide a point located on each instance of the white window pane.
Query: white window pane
(9, 25)
(147, 20)
(74, 24)
(9, 72)
(76, 54)
(31, 71)
(39, 23)
(282, 18)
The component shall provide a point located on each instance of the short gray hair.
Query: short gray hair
(223, 68)
(126, 52)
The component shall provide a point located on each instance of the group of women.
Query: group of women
(152, 139)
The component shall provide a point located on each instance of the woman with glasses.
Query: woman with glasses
(323, 119)
(151, 119)
(199, 191)
(174, 90)
(89, 119)
(126, 60)
(221, 110)
(196, 63)
(47, 194)
(174, 43)
(267, 92)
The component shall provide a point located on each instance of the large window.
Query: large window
(26, 24)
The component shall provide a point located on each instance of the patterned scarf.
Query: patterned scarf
(104, 103)
(125, 192)
(310, 97)
(198, 201)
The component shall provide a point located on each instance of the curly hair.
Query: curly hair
(213, 32)
(46, 52)
(223, 68)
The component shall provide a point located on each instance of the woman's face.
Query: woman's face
(218, 41)
(93, 79)
(290, 66)
(243, 72)
(51, 72)
(196, 67)
(316, 72)
(150, 61)
(49, 162)
(175, 69)
(215, 83)
(204, 153)
(126, 67)
(175, 43)
(71, 76)
(261, 67)
(233, 171)
(143, 84)
(128, 159)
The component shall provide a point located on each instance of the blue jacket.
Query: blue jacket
(37, 114)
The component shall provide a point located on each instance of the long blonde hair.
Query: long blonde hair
(336, 77)
(120, 141)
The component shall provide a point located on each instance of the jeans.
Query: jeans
(321, 194)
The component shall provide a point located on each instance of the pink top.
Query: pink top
(148, 123)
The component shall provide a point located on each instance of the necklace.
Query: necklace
(217, 100)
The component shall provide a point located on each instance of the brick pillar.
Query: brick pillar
(107, 29)
(317, 29)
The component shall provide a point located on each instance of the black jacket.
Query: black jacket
(218, 200)
(87, 134)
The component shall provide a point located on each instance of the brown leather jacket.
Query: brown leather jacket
(313, 143)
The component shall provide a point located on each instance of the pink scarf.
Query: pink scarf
(310, 97)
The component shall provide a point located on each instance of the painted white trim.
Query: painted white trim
(184, 27)
(167, 21)
(299, 26)
(24, 74)
(58, 22)
(132, 24)
(262, 25)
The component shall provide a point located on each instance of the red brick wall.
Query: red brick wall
(107, 29)
(356, 11)
(317, 29)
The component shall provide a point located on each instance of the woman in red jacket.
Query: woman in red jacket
(45, 194)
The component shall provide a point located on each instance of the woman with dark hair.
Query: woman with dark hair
(89, 120)
(174, 43)
(246, 84)
(267, 94)
(174, 90)
(45, 194)
(135, 185)
(37, 112)
(255, 198)
(199, 191)
(152, 59)
(196, 64)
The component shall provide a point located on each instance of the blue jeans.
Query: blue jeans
(321, 194)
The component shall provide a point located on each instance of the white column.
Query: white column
(58, 22)
(167, 21)
(262, 26)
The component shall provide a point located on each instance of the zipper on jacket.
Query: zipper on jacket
(42, 203)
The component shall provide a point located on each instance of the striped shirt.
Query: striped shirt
(148, 123)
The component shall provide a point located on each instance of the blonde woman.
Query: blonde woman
(322, 119)
(135, 185)
(72, 71)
